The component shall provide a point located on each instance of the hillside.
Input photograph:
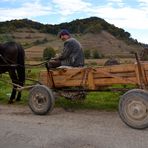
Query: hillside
(93, 33)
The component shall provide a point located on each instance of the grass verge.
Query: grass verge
(94, 100)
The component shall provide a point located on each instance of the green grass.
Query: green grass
(94, 100)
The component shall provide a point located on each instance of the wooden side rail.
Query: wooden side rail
(92, 78)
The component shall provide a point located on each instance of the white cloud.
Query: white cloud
(67, 7)
(26, 10)
(8, 0)
(12, 1)
(123, 17)
(143, 1)
(115, 1)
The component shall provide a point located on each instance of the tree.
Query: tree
(6, 38)
(48, 53)
(96, 54)
(87, 53)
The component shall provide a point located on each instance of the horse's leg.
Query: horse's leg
(13, 77)
(21, 79)
(18, 96)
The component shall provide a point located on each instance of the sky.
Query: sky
(130, 15)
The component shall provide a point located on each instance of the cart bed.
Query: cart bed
(96, 77)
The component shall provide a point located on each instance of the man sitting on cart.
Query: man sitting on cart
(72, 53)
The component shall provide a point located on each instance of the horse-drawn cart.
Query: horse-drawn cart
(73, 83)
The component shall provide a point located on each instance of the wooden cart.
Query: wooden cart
(72, 83)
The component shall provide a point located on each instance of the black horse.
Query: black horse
(12, 60)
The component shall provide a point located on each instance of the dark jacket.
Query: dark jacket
(72, 54)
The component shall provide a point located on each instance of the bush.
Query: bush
(6, 38)
(48, 53)
(87, 53)
(96, 54)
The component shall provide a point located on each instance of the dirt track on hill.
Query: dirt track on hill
(61, 129)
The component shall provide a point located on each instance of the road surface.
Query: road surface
(20, 128)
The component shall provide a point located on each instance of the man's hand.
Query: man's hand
(53, 58)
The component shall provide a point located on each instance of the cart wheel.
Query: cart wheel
(133, 108)
(41, 100)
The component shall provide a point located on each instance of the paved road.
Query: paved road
(20, 128)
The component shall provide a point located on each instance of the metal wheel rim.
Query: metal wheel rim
(136, 110)
(39, 101)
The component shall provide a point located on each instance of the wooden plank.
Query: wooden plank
(91, 84)
(117, 68)
(145, 81)
(111, 81)
(97, 76)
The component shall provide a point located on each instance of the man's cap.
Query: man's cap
(63, 32)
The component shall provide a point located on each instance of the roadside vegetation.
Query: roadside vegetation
(102, 100)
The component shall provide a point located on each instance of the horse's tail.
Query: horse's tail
(21, 64)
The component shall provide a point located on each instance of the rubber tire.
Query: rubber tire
(134, 101)
(41, 100)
